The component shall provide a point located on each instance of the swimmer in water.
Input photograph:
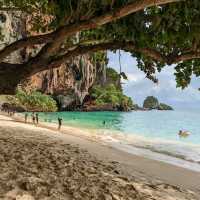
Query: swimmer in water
(184, 133)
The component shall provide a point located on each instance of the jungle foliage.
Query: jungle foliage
(34, 101)
(110, 94)
(157, 33)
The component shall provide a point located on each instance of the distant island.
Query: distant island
(100, 98)
(152, 103)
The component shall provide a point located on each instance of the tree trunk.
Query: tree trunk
(10, 77)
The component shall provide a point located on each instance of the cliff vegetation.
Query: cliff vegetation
(33, 101)
(152, 102)
(109, 96)
(48, 27)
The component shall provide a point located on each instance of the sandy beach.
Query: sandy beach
(42, 163)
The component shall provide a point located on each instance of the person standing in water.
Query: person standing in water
(33, 118)
(59, 123)
(37, 118)
(26, 117)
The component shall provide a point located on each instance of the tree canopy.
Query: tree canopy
(156, 32)
(34, 101)
(110, 94)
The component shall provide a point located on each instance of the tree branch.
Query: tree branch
(126, 46)
(184, 57)
(12, 74)
(93, 23)
(57, 37)
(25, 42)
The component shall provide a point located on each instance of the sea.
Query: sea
(151, 134)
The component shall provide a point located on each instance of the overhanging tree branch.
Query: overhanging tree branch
(96, 22)
(55, 38)
(26, 42)
(126, 46)
(12, 74)
(186, 57)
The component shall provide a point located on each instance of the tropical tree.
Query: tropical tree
(111, 94)
(156, 32)
(35, 101)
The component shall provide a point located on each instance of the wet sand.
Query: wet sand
(42, 163)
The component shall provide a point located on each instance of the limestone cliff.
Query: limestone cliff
(12, 28)
(70, 86)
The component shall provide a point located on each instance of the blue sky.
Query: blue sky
(138, 87)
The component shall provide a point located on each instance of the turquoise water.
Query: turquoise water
(153, 130)
(151, 124)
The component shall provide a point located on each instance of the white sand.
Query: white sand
(39, 163)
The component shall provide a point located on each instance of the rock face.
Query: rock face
(107, 95)
(67, 85)
(152, 103)
(163, 106)
(12, 29)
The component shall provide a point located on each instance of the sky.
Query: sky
(138, 87)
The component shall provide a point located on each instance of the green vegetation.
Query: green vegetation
(110, 94)
(112, 74)
(99, 57)
(174, 26)
(163, 106)
(33, 101)
(112, 77)
(151, 103)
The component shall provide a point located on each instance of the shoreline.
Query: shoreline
(142, 168)
(119, 142)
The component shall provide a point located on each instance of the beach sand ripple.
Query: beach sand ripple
(35, 166)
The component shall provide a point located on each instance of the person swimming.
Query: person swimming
(104, 122)
(182, 133)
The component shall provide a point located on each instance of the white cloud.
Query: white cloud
(138, 87)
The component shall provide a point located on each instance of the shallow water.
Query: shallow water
(152, 131)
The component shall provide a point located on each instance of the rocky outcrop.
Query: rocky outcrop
(108, 95)
(12, 28)
(163, 106)
(69, 83)
(69, 86)
(152, 102)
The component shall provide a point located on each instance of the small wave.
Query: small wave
(164, 150)
(168, 153)
(119, 126)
